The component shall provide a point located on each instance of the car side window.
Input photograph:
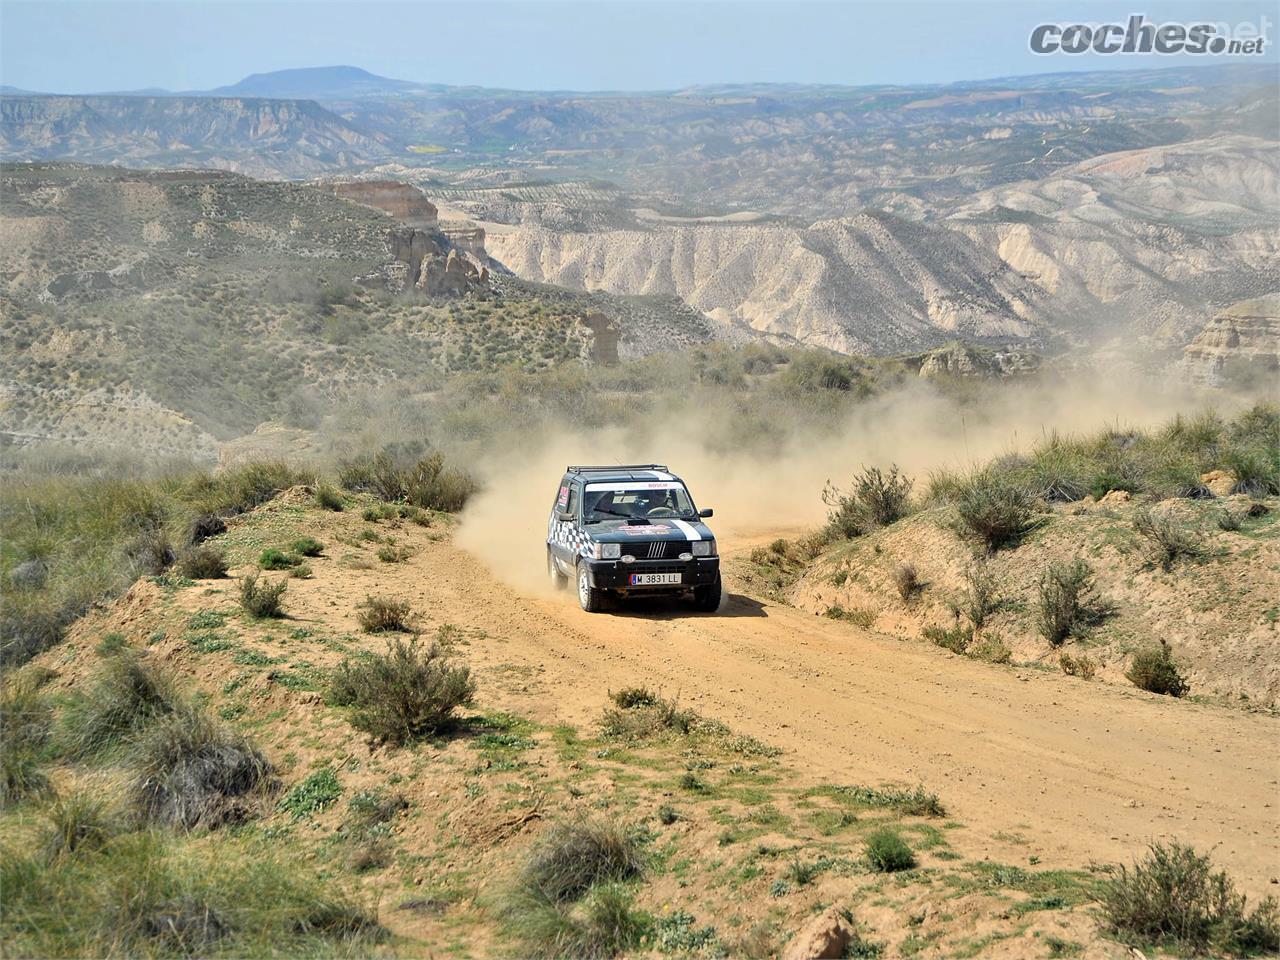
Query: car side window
(572, 503)
(562, 496)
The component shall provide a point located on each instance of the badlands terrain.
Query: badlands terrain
(290, 367)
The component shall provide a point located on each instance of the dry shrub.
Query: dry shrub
(409, 692)
(1064, 601)
(572, 857)
(190, 771)
(384, 615)
(127, 696)
(995, 510)
(906, 579)
(1167, 537)
(1080, 665)
(203, 562)
(399, 473)
(982, 594)
(1172, 898)
(1155, 670)
(875, 499)
(262, 599)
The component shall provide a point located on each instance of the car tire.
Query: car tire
(558, 580)
(589, 598)
(707, 598)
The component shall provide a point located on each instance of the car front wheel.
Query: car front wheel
(589, 598)
(707, 598)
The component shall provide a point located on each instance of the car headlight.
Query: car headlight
(608, 551)
(704, 548)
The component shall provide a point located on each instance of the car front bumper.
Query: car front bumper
(616, 575)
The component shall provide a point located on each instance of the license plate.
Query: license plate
(654, 579)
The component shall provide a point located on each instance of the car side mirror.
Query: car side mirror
(706, 513)
(565, 516)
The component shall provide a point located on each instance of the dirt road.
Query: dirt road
(1079, 771)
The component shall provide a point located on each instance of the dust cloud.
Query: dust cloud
(756, 495)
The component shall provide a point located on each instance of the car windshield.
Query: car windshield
(639, 501)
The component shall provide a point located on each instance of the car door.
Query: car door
(564, 539)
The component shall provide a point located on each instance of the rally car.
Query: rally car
(631, 530)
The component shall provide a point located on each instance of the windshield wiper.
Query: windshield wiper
(615, 513)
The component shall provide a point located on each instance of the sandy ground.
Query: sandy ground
(1084, 772)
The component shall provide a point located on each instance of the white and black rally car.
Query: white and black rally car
(631, 530)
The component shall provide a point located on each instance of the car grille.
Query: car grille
(658, 549)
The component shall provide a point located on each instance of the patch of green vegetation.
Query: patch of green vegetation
(312, 795)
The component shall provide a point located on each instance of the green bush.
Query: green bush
(383, 615)
(273, 558)
(329, 498)
(956, 639)
(1167, 537)
(262, 599)
(406, 693)
(1256, 470)
(604, 923)
(887, 852)
(1173, 899)
(1064, 605)
(1155, 671)
(189, 771)
(995, 510)
(204, 562)
(307, 547)
(239, 489)
(875, 499)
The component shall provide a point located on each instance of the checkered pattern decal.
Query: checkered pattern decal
(564, 534)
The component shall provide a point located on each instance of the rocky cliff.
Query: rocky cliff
(401, 200)
(868, 284)
(260, 137)
(1240, 344)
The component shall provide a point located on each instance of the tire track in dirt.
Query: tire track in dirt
(1081, 771)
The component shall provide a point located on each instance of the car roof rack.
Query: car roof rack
(613, 467)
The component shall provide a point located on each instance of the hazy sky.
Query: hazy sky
(72, 46)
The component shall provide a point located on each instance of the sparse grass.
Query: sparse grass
(1064, 608)
(875, 499)
(149, 894)
(26, 723)
(858, 617)
(912, 802)
(203, 562)
(406, 693)
(384, 615)
(1173, 898)
(127, 696)
(991, 649)
(573, 856)
(190, 771)
(394, 553)
(79, 823)
(1168, 538)
(1155, 670)
(262, 600)
(569, 897)
(887, 852)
